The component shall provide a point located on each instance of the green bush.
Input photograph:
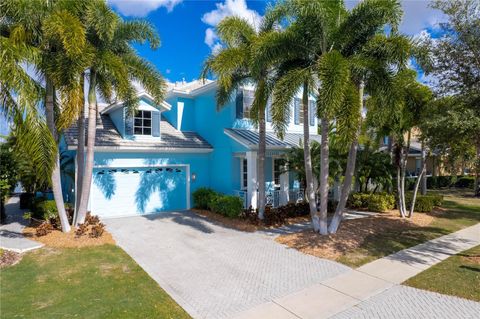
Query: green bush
(372, 202)
(230, 206)
(202, 197)
(46, 210)
(423, 204)
(465, 182)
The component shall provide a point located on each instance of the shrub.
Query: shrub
(230, 206)
(465, 182)
(97, 230)
(203, 196)
(374, 202)
(423, 204)
(44, 229)
(47, 210)
(81, 230)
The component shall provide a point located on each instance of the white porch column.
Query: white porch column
(284, 189)
(252, 185)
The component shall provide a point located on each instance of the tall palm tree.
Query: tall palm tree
(397, 115)
(372, 57)
(235, 65)
(295, 52)
(57, 36)
(113, 67)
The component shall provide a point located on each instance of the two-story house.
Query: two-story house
(152, 162)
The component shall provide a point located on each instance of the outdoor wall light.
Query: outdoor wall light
(194, 177)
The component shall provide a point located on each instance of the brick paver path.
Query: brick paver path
(213, 271)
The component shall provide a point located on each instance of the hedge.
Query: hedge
(230, 206)
(206, 198)
(449, 181)
(202, 197)
(373, 202)
(424, 203)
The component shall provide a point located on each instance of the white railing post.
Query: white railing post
(252, 179)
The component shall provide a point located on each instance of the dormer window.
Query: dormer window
(142, 123)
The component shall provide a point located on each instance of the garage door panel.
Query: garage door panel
(123, 192)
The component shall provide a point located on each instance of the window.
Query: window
(313, 112)
(142, 123)
(248, 97)
(298, 111)
(244, 173)
(269, 111)
(277, 170)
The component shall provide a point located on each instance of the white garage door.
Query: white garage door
(135, 191)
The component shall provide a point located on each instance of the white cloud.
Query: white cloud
(168, 71)
(210, 37)
(228, 8)
(231, 8)
(417, 15)
(141, 8)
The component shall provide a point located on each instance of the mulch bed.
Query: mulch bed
(351, 234)
(9, 258)
(243, 224)
(68, 240)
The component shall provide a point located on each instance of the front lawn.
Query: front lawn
(364, 240)
(89, 282)
(458, 275)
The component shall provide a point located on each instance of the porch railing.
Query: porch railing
(273, 198)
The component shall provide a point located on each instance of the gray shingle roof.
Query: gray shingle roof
(251, 138)
(108, 136)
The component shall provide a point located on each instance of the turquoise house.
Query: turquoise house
(152, 162)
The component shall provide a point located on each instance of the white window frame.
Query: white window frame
(142, 118)
(247, 107)
(273, 171)
(243, 173)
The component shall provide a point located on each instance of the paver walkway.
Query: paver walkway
(11, 234)
(373, 290)
(213, 271)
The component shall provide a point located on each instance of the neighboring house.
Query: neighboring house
(414, 159)
(153, 161)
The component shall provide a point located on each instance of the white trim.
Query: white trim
(191, 93)
(146, 149)
(117, 104)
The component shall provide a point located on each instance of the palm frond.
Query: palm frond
(137, 31)
(235, 31)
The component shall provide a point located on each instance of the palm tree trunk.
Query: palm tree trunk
(399, 191)
(56, 179)
(415, 189)
(261, 163)
(91, 131)
(350, 169)
(424, 165)
(324, 171)
(403, 173)
(476, 185)
(80, 148)
(309, 189)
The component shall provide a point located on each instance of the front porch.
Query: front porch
(281, 186)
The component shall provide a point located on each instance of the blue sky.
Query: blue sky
(186, 27)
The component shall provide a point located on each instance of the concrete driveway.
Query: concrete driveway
(213, 271)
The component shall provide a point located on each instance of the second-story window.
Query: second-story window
(248, 97)
(297, 111)
(313, 111)
(142, 123)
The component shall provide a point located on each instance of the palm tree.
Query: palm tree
(51, 38)
(113, 67)
(397, 115)
(295, 52)
(372, 58)
(236, 65)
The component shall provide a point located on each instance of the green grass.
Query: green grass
(93, 282)
(461, 211)
(458, 276)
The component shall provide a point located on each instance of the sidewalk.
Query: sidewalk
(11, 234)
(374, 290)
